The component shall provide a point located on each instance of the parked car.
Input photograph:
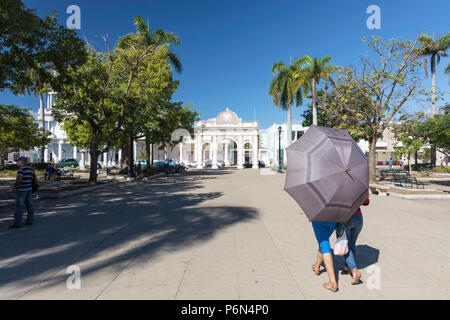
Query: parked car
(221, 163)
(207, 163)
(247, 165)
(11, 162)
(261, 164)
(67, 163)
(99, 166)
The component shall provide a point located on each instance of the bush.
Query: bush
(35, 166)
(420, 166)
(441, 169)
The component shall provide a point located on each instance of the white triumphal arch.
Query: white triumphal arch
(225, 138)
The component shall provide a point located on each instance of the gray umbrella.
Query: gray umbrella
(327, 174)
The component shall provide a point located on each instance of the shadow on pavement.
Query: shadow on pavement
(113, 226)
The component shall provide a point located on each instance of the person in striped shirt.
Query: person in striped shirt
(23, 188)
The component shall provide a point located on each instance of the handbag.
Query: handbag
(34, 186)
(341, 245)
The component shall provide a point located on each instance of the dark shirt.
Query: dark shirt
(28, 175)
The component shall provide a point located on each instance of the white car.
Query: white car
(12, 162)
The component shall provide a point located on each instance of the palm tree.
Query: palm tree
(433, 50)
(144, 37)
(159, 37)
(38, 87)
(312, 71)
(285, 89)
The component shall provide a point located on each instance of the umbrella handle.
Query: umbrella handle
(347, 171)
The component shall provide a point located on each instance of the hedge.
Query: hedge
(37, 166)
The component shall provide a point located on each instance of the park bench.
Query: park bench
(406, 180)
(392, 173)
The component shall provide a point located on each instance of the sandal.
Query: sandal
(316, 269)
(355, 279)
(330, 286)
(346, 270)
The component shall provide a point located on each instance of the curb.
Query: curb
(154, 176)
(74, 192)
(418, 196)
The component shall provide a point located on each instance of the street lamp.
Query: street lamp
(279, 149)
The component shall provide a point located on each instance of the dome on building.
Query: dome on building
(226, 117)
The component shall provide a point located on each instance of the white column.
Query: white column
(82, 161)
(46, 155)
(226, 160)
(255, 152)
(105, 159)
(120, 157)
(214, 153)
(181, 151)
(240, 146)
(199, 152)
(134, 150)
(75, 152)
(59, 151)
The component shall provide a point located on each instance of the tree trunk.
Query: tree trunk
(313, 88)
(433, 156)
(416, 161)
(409, 163)
(433, 86)
(93, 152)
(42, 111)
(152, 153)
(372, 160)
(131, 172)
(147, 161)
(289, 128)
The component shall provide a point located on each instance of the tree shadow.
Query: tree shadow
(113, 226)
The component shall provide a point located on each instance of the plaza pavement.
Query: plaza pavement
(223, 234)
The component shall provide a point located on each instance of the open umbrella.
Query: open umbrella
(327, 174)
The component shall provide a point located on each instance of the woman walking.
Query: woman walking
(352, 229)
(323, 231)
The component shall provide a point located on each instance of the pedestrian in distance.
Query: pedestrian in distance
(24, 197)
(390, 164)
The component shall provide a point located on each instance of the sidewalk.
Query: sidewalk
(224, 234)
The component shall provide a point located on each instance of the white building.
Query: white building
(270, 141)
(225, 138)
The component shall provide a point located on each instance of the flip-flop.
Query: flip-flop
(316, 269)
(328, 286)
(356, 280)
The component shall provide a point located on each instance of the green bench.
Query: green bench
(405, 180)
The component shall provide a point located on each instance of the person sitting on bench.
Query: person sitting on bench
(49, 172)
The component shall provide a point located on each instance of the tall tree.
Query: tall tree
(433, 50)
(408, 133)
(18, 131)
(285, 90)
(313, 70)
(28, 42)
(368, 97)
(144, 37)
(38, 87)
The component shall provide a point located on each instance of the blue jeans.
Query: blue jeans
(323, 230)
(352, 229)
(23, 198)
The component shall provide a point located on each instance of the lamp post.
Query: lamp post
(279, 149)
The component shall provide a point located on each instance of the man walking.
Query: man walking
(23, 188)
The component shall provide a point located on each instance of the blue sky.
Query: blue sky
(228, 46)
